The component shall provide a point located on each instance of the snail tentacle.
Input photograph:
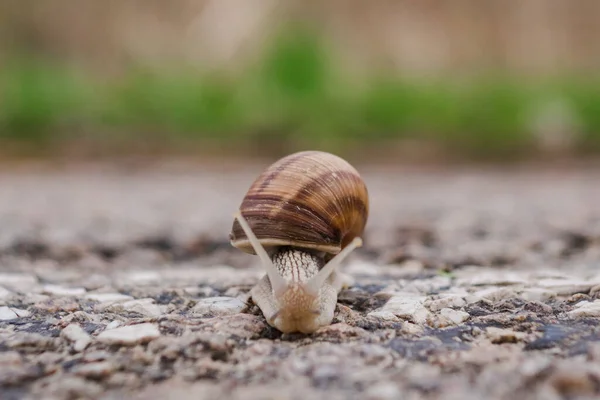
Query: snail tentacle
(278, 283)
(315, 283)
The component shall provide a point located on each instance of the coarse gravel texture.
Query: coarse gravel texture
(119, 282)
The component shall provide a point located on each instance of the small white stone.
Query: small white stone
(586, 309)
(484, 278)
(21, 313)
(202, 291)
(95, 370)
(6, 314)
(537, 294)
(215, 275)
(362, 268)
(141, 277)
(383, 315)
(4, 293)
(18, 282)
(79, 316)
(410, 267)
(237, 292)
(10, 358)
(146, 307)
(498, 335)
(219, 306)
(412, 329)
(75, 334)
(129, 335)
(114, 324)
(566, 287)
(455, 316)
(394, 289)
(549, 273)
(108, 297)
(425, 286)
(408, 307)
(494, 294)
(95, 281)
(57, 290)
(446, 302)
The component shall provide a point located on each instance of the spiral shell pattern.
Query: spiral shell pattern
(311, 200)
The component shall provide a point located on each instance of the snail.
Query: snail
(302, 216)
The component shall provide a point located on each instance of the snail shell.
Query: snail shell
(308, 200)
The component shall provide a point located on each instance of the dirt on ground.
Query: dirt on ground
(120, 283)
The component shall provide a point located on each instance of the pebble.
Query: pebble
(95, 370)
(566, 287)
(123, 379)
(341, 330)
(493, 293)
(95, 281)
(362, 268)
(31, 340)
(95, 356)
(58, 304)
(218, 275)
(534, 365)
(75, 334)
(240, 293)
(586, 309)
(574, 381)
(455, 316)
(9, 358)
(537, 294)
(49, 271)
(203, 291)
(57, 290)
(78, 316)
(409, 307)
(408, 267)
(146, 307)
(453, 301)
(21, 313)
(219, 306)
(412, 329)
(326, 372)
(498, 335)
(69, 387)
(476, 277)
(141, 277)
(113, 324)
(130, 335)
(7, 314)
(593, 352)
(108, 297)
(4, 293)
(241, 325)
(18, 282)
(383, 315)
(425, 286)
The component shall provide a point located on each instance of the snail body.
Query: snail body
(302, 216)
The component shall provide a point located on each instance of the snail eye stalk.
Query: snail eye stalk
(277, 282)
(312, 287)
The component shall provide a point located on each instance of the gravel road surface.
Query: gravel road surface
(120, 283)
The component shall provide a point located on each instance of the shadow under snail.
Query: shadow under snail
(302, 216)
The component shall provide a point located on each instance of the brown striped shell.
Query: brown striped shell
(311, 199)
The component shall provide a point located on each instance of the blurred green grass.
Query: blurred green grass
(295, 96)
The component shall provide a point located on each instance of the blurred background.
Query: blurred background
(404, 81)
